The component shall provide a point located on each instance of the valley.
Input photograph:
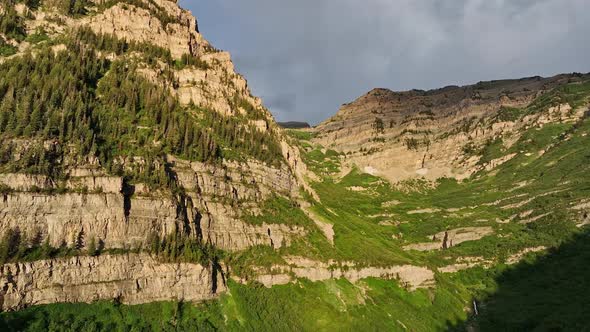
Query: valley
(143, 187)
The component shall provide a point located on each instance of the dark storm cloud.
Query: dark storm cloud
(283, 103)
(307, 57)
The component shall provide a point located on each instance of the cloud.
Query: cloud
(307, 57)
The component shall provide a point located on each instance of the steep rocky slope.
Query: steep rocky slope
(133, 279)
(440, 133)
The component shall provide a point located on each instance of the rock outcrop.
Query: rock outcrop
(216, 87)
(130, 279)
(447, 239)
(131, 23)
(413, 277)
(71, 218)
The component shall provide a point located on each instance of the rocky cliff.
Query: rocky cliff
(91, 197)
(101, 206)
(132, 279)
(96, 208)
(439, 133)
(412, 277)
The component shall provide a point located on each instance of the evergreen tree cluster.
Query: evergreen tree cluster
(66, 7)
(48, 98)
(252, 113)
(110, 43)
(190, 60)
(11, 24)
(72, 7)
(378, 126)
(136, 114)
(75, 105)
(177, 248)
(15, 246)
(238, 138)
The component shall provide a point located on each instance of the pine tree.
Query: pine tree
(92, 249)
(9, 245)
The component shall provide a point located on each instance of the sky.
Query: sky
(305, 58)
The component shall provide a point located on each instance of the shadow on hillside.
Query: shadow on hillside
(550, 294)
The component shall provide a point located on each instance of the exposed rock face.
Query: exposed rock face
(215, 88)
(137, 24)
(293, 157)
(164, 24)
(84, 182)
(413, 277)
(133, 279)
(453, 237)
(464, 263)
(251, 181)
(427, 133)
(217, 198)
(63, 219)
(513, 259)
(220, 195)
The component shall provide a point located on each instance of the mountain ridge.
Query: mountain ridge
(420, 119)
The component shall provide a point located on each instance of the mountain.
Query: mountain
(124, 131)
(444, 132)
(294, 125)
(143, 187)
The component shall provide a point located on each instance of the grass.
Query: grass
(372, 304)
(508, 114)
(111, 316)
(6, 49)
(492, 150)
(338, 305)
(548, 293)
(39, 36)
(300, 135)
(279, 210)
(322, 162)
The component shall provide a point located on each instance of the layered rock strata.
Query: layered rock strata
(413, 277)
(130, 279)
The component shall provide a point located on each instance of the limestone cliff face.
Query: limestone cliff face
(413, 277)
(132, 279)
(217, 198)
(165, 24)
(63, 219)
(94, 205)
(205, 201)
(138, 24)
(401, 135)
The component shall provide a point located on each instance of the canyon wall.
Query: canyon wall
(130, 279)
(437, 133)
